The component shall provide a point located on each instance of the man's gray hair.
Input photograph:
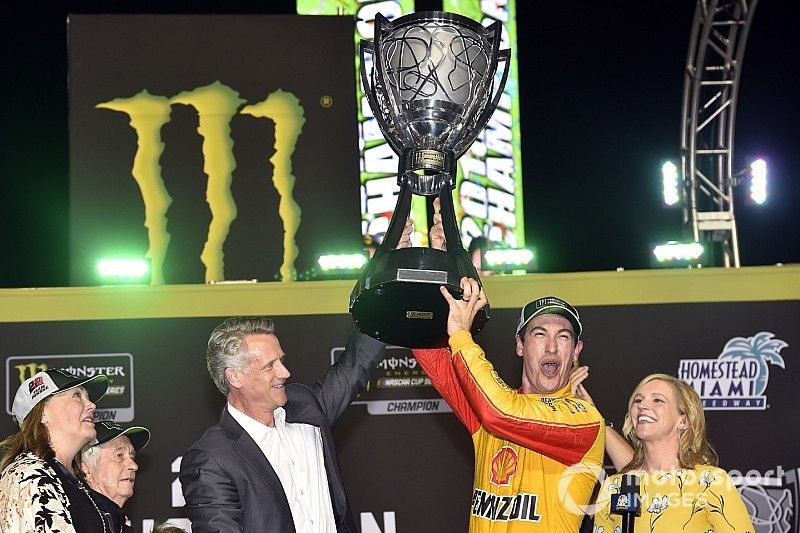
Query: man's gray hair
(88, 459)
(227, 347)
(90, 455)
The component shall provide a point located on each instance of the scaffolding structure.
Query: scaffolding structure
(711, 87)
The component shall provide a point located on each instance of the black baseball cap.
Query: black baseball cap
(108, 431)
(550, 305)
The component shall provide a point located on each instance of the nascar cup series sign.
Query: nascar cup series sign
(399, 386)
(738, 377)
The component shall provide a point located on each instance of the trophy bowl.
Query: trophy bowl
(432, 82)
(401, 302)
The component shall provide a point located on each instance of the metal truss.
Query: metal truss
(710, 91)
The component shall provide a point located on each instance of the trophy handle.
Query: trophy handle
(401, 212)
(367, 48)
(505, 57)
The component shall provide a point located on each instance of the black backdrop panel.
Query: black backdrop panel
(201, 121)
(414, 470)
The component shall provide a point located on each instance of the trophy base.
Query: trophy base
(397, 298)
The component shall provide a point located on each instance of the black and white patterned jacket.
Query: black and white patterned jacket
(32, 499)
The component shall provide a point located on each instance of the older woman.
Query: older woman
(681, 487)
(38, 488)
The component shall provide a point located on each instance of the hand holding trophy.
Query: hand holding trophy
(430, 81)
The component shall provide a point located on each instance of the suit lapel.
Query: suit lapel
(247, 448)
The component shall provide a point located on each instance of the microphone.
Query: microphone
(627, 503)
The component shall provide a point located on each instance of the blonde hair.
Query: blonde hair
(32, 437)
(694, 448)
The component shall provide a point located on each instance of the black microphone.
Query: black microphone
(627, 503)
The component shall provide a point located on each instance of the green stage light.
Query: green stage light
(669, 174)
(678, 252)
(346, 262)
(508, 259)
(336, 266)
(123, 270)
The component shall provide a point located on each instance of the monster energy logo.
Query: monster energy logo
(27, 371)
(215, 104)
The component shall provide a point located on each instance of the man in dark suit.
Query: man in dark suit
(270, 463)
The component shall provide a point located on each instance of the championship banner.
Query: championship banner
(489, 186)
(378, 182)
(218, 147)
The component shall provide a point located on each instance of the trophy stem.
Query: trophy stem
(449, 223)
(401, 212)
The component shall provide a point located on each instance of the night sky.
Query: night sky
(601, 90)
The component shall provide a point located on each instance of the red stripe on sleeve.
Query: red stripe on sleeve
(560, 441)
(438, 365)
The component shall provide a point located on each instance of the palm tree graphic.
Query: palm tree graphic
(761, 348)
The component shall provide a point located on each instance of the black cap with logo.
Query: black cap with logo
(550, 305)
(108, 431)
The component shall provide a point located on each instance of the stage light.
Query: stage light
(669, 174)
(329, 262)
(678, 252)
(758, 181)
(336, 266)
(117, 271)
(508, 259)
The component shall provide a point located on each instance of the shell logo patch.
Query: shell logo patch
(504, 466)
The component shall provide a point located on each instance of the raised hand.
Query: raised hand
(405, 238)
(576, 378)
(436, 235)
(463, 311)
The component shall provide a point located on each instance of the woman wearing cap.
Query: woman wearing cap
(109, 467)
(38, 488)
(681, 487)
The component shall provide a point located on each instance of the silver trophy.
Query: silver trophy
(432, 83)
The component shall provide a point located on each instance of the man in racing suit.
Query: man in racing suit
(539, 449)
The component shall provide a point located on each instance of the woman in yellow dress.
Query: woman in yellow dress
(682, 489)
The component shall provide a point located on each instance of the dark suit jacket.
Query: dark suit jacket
(114, 514)
(228, 483)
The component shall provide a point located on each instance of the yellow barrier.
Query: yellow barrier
(331, 297)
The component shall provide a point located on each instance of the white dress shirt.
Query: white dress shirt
(295, 453)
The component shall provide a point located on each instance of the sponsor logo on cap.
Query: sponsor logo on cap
(551, 302)
(35, 383)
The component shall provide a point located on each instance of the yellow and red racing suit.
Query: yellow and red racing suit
(537, 457)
